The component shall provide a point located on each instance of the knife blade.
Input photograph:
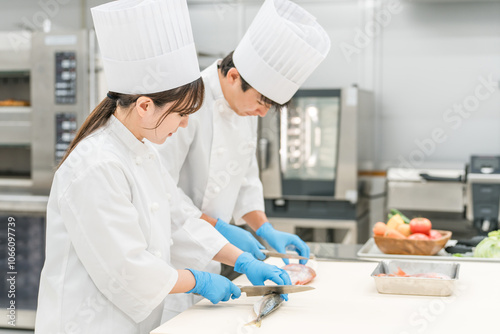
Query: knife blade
(261, 290)
(285, 255)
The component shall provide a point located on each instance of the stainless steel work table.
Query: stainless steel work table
(346, 301)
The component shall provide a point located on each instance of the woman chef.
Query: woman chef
(214, 160)
(112, 208)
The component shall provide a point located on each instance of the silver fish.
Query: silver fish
(268, 304)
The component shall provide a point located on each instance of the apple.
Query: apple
(420, 225)
(433, 234)
(418, 236)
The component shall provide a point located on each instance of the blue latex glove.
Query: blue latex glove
(241, 238)
(214, 287)
(258, 272)
(280, 240)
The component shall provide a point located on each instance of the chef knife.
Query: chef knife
(285, 255)
(261, 290)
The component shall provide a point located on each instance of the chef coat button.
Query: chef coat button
(220, 106)
(217, 190)
(156, 253)
(138, 160)
(168, 196)
(155, 207)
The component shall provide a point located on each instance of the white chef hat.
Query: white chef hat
(281, 48)
(146, 45)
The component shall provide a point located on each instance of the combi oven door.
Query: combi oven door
(308, 143)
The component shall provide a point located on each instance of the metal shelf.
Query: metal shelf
(15, 109)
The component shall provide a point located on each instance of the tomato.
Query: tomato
(418, 236)
(420, 225)
(433, 234)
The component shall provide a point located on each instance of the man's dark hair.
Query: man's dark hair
(227, 64)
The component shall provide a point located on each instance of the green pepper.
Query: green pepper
(394, 212)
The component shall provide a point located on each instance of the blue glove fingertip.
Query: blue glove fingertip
(235, 291)
(259, 255)
(285, 277)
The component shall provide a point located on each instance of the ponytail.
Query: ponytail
(97, 118)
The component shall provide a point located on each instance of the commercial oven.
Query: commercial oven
(44, 98)
(309, 156)
(464, 199)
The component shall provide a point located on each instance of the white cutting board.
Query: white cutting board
(346, 301)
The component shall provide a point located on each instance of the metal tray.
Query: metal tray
(370, 250)
(416, 285)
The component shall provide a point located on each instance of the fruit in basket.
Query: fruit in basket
(404, 229)
(394, 221)
(409, 246)
(420, 225)
(434, 235)
(408, 237)
(379, 228)
(418, 236)
(392, 233)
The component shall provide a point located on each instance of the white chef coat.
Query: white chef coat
(111, 213)
(214, 159)
(215, 164)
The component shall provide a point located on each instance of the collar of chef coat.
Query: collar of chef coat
(216, 88)
(214, 83)
(126, 137)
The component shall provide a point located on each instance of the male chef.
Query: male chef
(214, 158)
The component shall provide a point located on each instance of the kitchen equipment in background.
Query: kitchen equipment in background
(420, 192)
(50, 74)
(44, 77)
(483, 192)
(464, 200)
(20, 278)
(309, 156)
(435, 193)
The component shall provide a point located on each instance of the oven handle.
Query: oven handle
(428, 177)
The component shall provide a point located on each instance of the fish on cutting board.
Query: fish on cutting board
(265, 306)
(299, 274)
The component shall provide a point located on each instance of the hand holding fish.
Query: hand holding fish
(280, 240)
(258, 272)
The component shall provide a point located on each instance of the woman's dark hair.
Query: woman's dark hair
(187, 100)
(227, 64)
